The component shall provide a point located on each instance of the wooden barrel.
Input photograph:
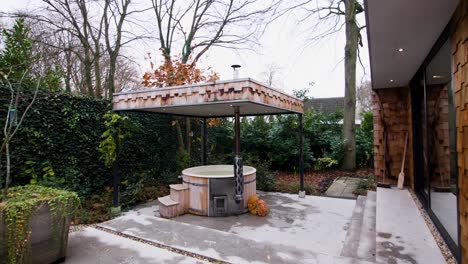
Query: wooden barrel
(198, 190)
(250, 186)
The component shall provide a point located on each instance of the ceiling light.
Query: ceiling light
(391, 80)
(400, 49)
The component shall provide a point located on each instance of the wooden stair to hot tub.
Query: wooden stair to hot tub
(176, 203)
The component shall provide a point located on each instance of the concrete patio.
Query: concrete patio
(309, 230)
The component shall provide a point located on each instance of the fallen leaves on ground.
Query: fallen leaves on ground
(320, 180)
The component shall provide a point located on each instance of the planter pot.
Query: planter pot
(48, 240)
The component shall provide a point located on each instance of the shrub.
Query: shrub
(324, 133)
(266, 180)
(325, 163)
(364, 185)
(365, 141)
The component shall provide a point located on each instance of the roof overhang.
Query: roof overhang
(213, 99)
(413, 26)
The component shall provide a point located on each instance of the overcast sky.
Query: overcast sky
(284, 44)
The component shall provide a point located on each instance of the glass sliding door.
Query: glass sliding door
(434, 133)
(441, 129)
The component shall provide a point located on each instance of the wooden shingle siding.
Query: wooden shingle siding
(197, 94)
(391, 107)
(459, 42)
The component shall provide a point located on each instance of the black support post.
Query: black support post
(301, 153)
(115, 183)
(203, 146)
(238, 169)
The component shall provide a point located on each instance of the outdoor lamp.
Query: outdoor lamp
(12, 116)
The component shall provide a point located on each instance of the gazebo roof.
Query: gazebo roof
(211, 99)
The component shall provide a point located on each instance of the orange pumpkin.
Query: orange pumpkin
(252, 204)
(262, 208)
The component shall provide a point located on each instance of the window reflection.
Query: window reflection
(441, 140)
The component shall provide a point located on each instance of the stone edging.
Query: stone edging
(159, 245)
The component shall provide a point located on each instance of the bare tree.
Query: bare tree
(192, 27)
(97, 31)
(198, 25)
(12, 123)
(115, 14)
(272, 74)
(330, 17)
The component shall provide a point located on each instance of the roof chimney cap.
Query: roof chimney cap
(235, 71)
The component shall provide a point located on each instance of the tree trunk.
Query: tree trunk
(97, 75)
(111, 75)
(8, 168)
(349, 159)
(68, 71)
(188, 139)
(180, 137)
(88, 76)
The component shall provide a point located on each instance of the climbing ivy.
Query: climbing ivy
(18, 208)
(62, 135)
(118, 128)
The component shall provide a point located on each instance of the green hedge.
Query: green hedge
(62, 132)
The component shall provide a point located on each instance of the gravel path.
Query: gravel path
(437, 236)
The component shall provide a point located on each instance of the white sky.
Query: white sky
(284, 43)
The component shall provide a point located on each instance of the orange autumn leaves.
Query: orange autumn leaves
(257, 206)
(174, 72)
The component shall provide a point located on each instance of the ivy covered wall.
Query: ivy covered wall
(58, 144)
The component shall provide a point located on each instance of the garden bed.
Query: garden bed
(316, 182)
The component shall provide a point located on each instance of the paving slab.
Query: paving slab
(309, 230)
(95, 246)
(299, 222)
(343, 187)
(402, 233)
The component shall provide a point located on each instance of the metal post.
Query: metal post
(203, 146)
(115, 172)
(238, 169)
(301, 156)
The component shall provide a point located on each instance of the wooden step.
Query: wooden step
(179, 187)
(168, 207)
(180, 194)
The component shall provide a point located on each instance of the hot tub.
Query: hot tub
(212, 189)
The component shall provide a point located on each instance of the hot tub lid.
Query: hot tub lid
(215, 171)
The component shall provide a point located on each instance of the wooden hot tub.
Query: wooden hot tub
(211, 189)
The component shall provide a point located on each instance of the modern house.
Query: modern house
(419, 64)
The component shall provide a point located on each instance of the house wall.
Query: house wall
(392, 113)
(459, 42)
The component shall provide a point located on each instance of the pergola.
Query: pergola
(230, 98)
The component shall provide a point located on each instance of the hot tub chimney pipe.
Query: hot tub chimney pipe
(235, 71)
(238, 169)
